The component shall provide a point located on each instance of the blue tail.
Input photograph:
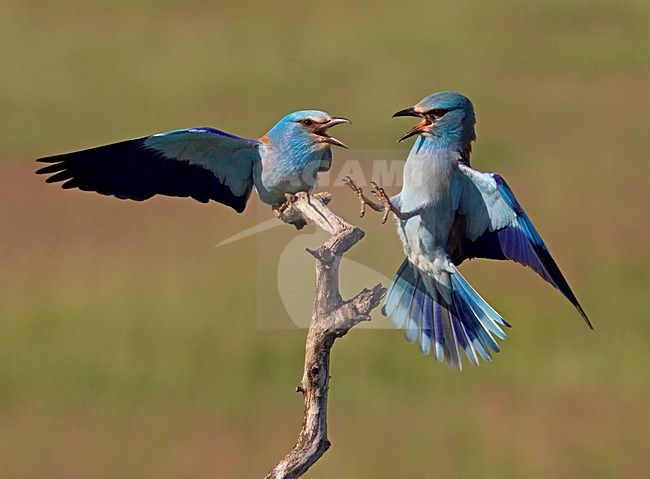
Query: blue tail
(445, 314)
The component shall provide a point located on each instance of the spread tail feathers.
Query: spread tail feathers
(444, 313)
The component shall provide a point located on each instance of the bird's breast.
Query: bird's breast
(427, 189)
(279, 172)
(427, 179)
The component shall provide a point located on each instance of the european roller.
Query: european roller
(448, 212)
(206, 164)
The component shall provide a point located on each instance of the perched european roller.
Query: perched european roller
(206, 164)
(448, 212)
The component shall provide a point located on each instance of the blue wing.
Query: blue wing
(491, 224)
(202, 163)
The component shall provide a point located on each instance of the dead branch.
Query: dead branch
(332, 318)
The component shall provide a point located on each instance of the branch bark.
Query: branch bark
(332, 318)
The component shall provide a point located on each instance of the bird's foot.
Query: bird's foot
(383, 206)
(357, 191)
(324, 196)
(279, 211)
(363, 199)
(384, 200)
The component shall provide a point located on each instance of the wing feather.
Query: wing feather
(495, 226)
(202, 163)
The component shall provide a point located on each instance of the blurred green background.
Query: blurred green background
(131, 348)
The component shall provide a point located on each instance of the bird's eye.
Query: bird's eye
(438, 112)
(307, 122)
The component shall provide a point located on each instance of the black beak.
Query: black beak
(407, 112)
(328, 139)
(336, 120)
(417, 128)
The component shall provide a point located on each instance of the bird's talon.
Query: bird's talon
(348, 181)
(384, 200)
(280, 209)
(380, 193)
(358, 192)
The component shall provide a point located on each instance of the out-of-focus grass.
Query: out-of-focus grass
(129, 347)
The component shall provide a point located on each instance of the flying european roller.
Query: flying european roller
(205, 163)
(448, 212)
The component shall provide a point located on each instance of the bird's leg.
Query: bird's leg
(362, 198)
(384, 206)
(387, 206)
(279, 210)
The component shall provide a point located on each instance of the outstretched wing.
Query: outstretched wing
(491, 224)
(202, 163)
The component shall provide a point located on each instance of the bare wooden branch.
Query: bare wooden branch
(332, 318)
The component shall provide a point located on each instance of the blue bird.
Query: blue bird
(206, 164)
(448, 212)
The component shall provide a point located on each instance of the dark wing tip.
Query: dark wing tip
(52, 168)
(54, 164)
(584, 315)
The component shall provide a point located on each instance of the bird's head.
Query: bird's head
(306, 129)
(447, 118)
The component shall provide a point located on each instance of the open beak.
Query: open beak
(322, 131)
(419, 128)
